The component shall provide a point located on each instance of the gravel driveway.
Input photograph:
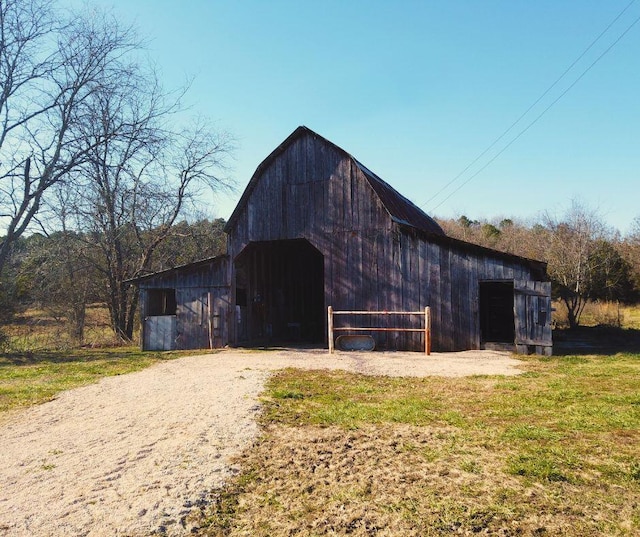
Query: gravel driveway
(133, 454)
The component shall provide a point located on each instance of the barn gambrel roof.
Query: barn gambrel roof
(409, 217)
(401, 210)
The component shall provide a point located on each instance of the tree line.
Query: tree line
(66, 271)
(586, 259)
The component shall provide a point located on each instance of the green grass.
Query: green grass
(558, 409)
(33, 378)
(574, 393)
(335, 398)
(554, 451)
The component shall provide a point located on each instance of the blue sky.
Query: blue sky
(417, 90)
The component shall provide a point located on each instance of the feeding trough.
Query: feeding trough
(355, 343)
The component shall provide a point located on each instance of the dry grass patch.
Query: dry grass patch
(394, 480)
(34, 330)
(601, 313)
(551, 452)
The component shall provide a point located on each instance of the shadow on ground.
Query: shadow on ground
(595, 340)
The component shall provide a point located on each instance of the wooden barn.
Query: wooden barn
(186, 307)
(316, 228)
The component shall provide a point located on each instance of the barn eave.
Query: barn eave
(538, 268)
(401, 209)
(194, 265)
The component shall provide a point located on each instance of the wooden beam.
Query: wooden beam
(330, 328)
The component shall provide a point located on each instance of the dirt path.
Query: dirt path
(132, 455)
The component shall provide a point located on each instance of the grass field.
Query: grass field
(34, 330)
(552, 452)
(35, 377)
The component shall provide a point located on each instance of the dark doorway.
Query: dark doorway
(496, 312)
(280, 293)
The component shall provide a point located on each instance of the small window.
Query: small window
(161, 302)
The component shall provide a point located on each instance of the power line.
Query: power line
(543, 112)
(544, 94)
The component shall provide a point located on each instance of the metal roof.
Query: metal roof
(402, 210)
(187, 266)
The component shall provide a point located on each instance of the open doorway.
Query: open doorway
(496, 312)
(280, 293)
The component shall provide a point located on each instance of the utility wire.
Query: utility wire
(543, 112)
(544, 94)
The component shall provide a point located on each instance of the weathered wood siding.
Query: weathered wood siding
(533, 316)
(447, 279)
(408, 273)
(311, 191)
(314, 191)
(204, 311)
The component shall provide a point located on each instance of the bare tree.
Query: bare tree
(139, 177)
(49, 68)
(571, 243)
(62, 279)
(59, 280)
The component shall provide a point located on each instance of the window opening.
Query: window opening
(161, 302)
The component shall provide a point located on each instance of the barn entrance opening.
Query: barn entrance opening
(280, 293)
(496, 312)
